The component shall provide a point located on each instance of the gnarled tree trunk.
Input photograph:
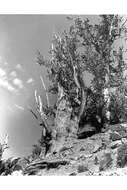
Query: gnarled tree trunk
(64, 126)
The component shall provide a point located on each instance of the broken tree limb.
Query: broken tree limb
(47, 97)
(32, 168)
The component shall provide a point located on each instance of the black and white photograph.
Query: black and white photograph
(63, 95)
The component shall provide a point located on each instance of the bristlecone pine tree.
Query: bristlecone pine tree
(92, 48)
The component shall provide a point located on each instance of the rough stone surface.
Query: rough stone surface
(96, 155)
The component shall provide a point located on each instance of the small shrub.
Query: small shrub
(106, 162)
(118, 107)
(36, 151)
(9, 166)
(122, 156)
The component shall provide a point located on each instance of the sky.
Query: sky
(20, 38)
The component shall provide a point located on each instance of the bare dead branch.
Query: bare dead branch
(36, 99)
(111, 27)
(47, 97)
(35, 116)
(41, 112)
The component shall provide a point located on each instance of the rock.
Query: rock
(113, 172)
(73, 174)
(115, 136)
(17, 173)
(93, 168)
(115, 144)
(100, 154)
(124, 140)
(82, 168)
(119, 129)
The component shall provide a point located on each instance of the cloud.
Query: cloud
(19, 107)
(9, 79)
(4, 81)
(2, 73)
(18, 82)
(13, 74)
(30, 80)
(5, 63)
(19, 67)
(5, 84)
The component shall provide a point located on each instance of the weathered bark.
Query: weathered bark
(106, 90)
(84, 94)
(83, 104)
(64, 126)
(106, 94)
(78, 78)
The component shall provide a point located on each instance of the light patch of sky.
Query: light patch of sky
(30, 80)
(2, 73)
(18, 83)
(13, 74)
(18, 66)
(19, 107)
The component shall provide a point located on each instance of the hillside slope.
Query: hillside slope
(104, 153)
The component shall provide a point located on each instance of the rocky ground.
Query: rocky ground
(103, 154)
